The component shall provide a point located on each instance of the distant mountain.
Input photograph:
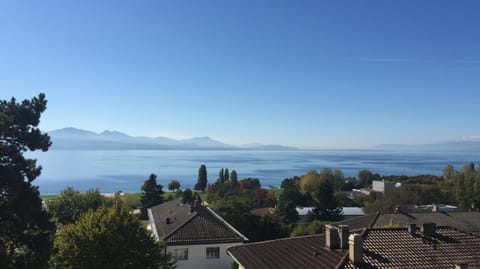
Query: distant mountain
(77, 139)
(460, 145)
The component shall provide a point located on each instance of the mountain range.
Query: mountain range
(78, 139)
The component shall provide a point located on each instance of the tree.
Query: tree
(152, 195)
(202, 178)
(108, 238)
(25, 230)
(449, 171)
(174, 185)
(187, 196)
(70, 204)
(226, 175)
(233, 179)
(365, 178)
(221, 176)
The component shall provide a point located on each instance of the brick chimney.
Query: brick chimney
(428, 228)
(355, 251)
(331, 237)
(343, 232)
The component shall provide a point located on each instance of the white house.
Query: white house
(195, 235)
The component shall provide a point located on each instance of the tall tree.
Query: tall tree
(233, 179)
(152, 195)
(226, 174)
(25, 230)
(221, 176)
(108, 238)
(202, 178)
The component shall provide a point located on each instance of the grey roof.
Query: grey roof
(185, 227)
(396, 248)
(303, 252)
(464, 221)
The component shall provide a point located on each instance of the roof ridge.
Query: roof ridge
(226, 223)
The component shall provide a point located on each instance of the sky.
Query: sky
(310, 74)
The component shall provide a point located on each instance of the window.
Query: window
(213, 253)
(180, 254)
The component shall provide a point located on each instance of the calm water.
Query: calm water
(126, 170)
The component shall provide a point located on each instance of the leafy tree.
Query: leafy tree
(202, 178)
(174, 185)
(152, 195)
(25, 229)
(449, 171)
(70, 204)
(187, 196)
(108, 238)
(365, 178)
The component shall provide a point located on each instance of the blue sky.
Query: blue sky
(312, 74)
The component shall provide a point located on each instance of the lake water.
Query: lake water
(126, 170)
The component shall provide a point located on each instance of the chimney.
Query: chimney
(355, 251)
(331, 237)
(196, 203)
(461, 265)
(428, 228)
(412, 228)
(343, 232)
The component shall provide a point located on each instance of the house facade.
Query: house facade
(195, 235)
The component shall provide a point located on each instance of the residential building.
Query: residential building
(347, 212)
(464, 221)
(427, 246)
(194, 235)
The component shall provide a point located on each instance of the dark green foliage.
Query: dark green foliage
(25, 230)
(202, 178)
(233, 179)
(70, 204)
(314, 227)
(290, 198)
(174, 185)
(221, 176)
(226, 175)
(152, 195)
(365, 178)
(107, 238)
(187, 196)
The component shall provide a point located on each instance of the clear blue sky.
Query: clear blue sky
(313, 74)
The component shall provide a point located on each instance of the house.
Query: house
(194, 235)
(464, 221)
(347, 212)
(427, 246)
(383, 186)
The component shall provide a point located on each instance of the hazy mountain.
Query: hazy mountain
(72, 138)
(461, 145)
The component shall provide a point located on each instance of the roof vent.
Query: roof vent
(168, 221)
(428, 228)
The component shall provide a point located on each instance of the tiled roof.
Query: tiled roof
(463, 221)
(186, 227)
(360, 223)
(303, 252)
(397, 248)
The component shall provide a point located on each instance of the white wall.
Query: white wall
(197, 257)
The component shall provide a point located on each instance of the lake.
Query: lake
(125, 170)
